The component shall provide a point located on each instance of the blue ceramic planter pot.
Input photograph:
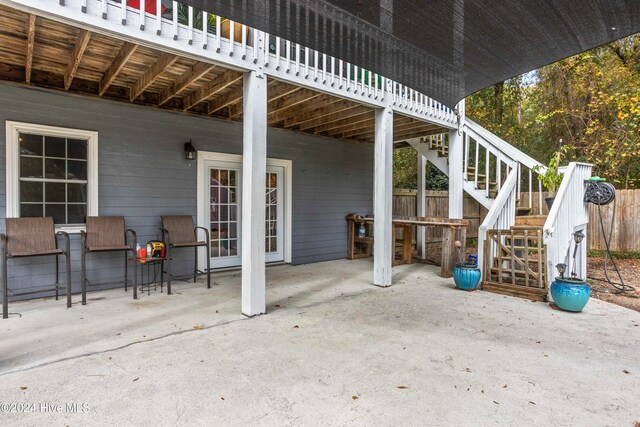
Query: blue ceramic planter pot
(570, 295)
(466, 276)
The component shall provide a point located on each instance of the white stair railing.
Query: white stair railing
(568, 215)
(487, 161)
(501, 216)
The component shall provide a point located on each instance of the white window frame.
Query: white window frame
(13, 129)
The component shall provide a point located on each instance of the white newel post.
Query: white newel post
(456, 179)
(382, 197)
(421, 208)
(254, 169)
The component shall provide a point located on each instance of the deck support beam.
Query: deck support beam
(421, 208)
(382, 197)
(254, 169)
(456, 172)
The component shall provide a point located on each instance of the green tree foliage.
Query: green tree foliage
(591, 101)
(405, 171)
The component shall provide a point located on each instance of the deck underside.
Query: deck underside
(42, 52)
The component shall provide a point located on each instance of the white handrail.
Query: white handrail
(501, 215)
(567, 215)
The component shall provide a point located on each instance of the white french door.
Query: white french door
(221, 183)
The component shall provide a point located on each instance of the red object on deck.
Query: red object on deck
(149, 6)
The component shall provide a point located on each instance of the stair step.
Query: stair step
(531, 220)
(522, 211)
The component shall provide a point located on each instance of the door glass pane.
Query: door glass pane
(223, 209)
(271, 213)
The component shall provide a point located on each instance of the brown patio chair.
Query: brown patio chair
(178, 231)
(107, 234)
(29, 237)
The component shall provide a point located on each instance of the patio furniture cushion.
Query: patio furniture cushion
(31, 236)
(181, 230)
(105, 233)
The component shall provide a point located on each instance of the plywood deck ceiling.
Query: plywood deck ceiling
(41, 52)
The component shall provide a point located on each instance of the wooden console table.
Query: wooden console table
(454, 234)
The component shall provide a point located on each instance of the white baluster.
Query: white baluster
(477, 155)
(297, 59)
(104, 4)
(175, 20)
(341, 65)
(348, 77)
(205, 29)
(218, 33)
(189, 22)
(232, 44)
(142, 15)
(288, 49)
(315, 65)
(324, 68)
(277, 53)
(307, 62)
(158, 16)
(243, 41)
(123, 12)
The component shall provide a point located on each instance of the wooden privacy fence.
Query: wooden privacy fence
(626, 229)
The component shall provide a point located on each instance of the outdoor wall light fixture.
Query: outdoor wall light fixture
(189, 151)
(578, 236)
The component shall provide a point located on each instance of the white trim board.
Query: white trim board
(13, 165)
(287, 165)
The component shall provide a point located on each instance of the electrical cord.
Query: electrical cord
(599, 199)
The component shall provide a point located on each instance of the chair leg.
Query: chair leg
(168, 271)
(84, 276)
(195, 264)
(126, 270)
(135, 280)
(67, 256)
(208, 266)
(57, 277)
(5, 286)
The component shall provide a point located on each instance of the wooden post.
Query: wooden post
(454, 240)
(383, 193)
(254, 169)
(421, 208)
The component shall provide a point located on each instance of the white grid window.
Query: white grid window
(51, 172)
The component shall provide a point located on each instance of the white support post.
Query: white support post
(456, 172)
(421, 208)
(382, 197)
(254, 169)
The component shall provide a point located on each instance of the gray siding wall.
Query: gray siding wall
(143, 175)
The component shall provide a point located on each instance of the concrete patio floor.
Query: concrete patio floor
(332, 350)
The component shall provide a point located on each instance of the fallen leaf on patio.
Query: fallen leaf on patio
(402, 387)
(533, 403)
(198, 327)
(354, 397)
(278, 305)
(495, 402)
(467, 369)
(221, 398)
(119, 333)
(135, 380)
(625, 371)
(296, 327)
(482, 391)
(504, 386)
(23, 388)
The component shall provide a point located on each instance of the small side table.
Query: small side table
(148, 262)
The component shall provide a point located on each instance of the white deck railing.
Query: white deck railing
(568, 214)
(193, 33)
